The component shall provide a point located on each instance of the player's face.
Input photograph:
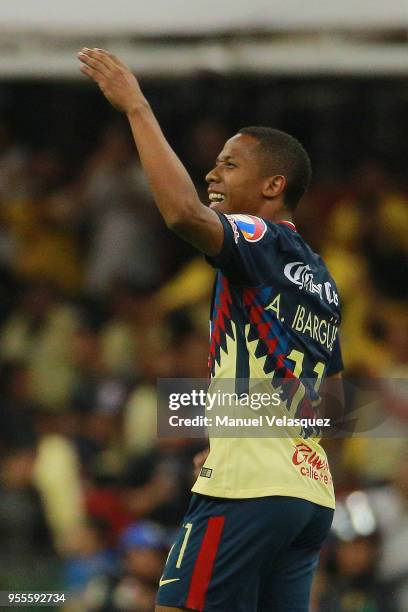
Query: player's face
(235, 183)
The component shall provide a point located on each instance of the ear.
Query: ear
(274, 186)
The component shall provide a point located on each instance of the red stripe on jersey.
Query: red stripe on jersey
(288, 223)
(220, 316)
(204, 564)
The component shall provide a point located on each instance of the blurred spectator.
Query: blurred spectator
(351, 581)
(382, 397)
(157, 484)
(367, 253)
(96, 405)
(26, 545)
(190, 288)
(390, 506)
(17, 411)
(13, 165)
(121, 216)
(45, 246)
(352, 584)
(89, 555)
(140, 412)
(143, 547)
(57, 477)
(119, 334)
(39, 332)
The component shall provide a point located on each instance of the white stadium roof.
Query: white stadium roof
(39, 38)
(199, 16)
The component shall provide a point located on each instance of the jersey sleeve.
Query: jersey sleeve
(336, 361)
(248, 249)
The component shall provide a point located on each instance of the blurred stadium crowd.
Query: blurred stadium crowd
(98, 300)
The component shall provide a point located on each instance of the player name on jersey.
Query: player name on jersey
(315, 327)
(307, 322)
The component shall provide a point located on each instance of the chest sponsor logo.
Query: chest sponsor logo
(301, 275)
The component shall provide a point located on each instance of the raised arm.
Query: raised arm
(172, 187)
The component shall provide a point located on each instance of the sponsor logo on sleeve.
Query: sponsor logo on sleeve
(252, 228)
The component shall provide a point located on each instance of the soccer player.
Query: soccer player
(261, 507)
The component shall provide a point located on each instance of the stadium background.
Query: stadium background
(98, 299)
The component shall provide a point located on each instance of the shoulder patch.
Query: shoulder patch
(252, 228)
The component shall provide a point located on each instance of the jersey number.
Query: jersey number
(298, 357)
(188, 527)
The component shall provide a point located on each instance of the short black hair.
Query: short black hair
(283, 154)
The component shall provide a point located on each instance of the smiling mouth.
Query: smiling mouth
(216, 198)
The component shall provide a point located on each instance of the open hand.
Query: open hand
(115, 80)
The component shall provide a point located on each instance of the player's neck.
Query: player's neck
(276, 212)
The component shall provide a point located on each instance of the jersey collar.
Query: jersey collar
(288, 223)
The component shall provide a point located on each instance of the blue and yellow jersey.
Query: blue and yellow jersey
(274, 320)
